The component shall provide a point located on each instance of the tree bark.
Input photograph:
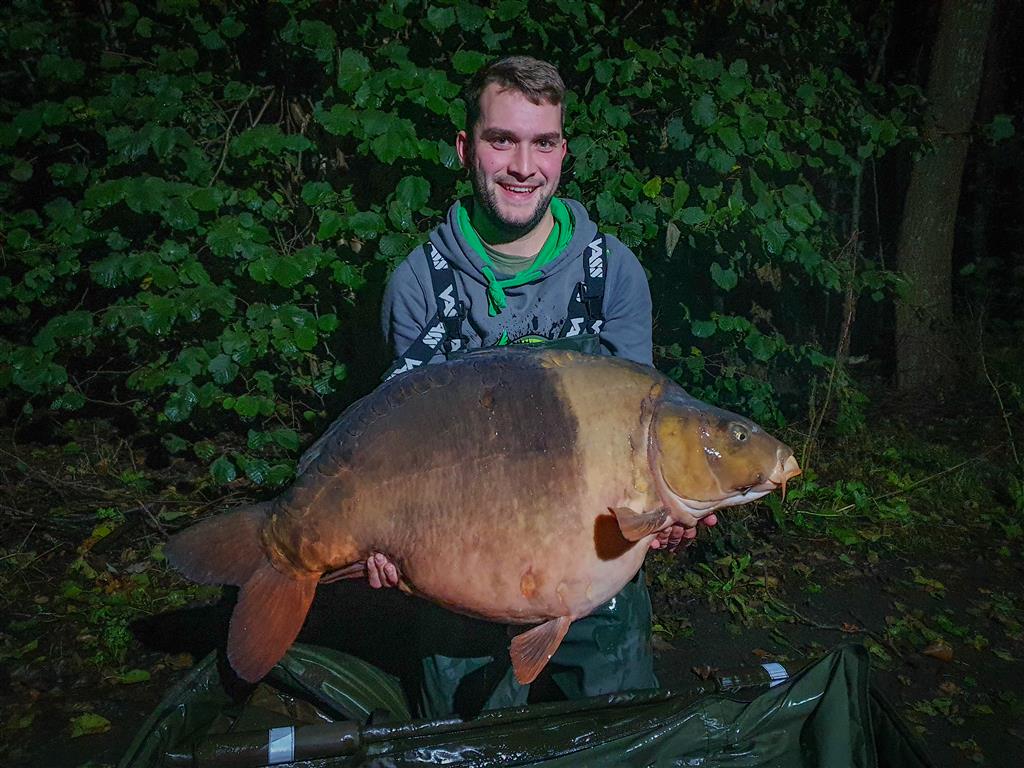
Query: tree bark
(925, 343)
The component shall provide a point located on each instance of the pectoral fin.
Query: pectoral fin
(636, 525)
(532, 649)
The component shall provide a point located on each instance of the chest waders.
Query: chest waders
(464, 662)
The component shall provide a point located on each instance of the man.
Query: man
(515, 264)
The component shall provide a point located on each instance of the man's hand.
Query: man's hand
(381, 572)
(670, 538)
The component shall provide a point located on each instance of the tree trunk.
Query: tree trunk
(925, 343)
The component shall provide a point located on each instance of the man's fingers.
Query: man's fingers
(373, 572)
(710, 519)
(381, 572)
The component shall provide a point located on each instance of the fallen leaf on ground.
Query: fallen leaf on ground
(180, 661)
(940, 650)
(133, 676)
(88, 724)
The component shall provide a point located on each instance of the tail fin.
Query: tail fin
(222, 550)
(271, 605)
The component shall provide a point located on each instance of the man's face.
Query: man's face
(514, 157)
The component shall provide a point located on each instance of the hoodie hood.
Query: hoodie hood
(448, 239)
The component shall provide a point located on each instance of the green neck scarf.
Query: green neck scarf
(559, 238)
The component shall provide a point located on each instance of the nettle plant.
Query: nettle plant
(195, 196)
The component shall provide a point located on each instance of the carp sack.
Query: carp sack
(513, 485)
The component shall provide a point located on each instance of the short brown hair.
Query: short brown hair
(537, 80)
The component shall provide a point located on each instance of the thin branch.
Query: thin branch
(227, 135)
(995, 390)
(922, 481)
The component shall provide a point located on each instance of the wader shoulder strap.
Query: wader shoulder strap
(585, 314)
(444, 330)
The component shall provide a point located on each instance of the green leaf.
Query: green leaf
(507, 10)
(440, 18)
(653, 187)
(320, 37)
(340, 120)
(1001, 128)
(703, 329)
(21, 170)
(610, 210)
(88, 724)
(677, 135)
(316, 193)
(133, 676)
(231, 27)
(223, 471)
(798, 218)
(731, 139)
(145, 194)
(679, 195)
(704, 112)
(223, 369)
(413, 192)
(305, 338)
(471, 17)
(353, 69)
(726, 279)
(774, 235)
(604, 70)
(366, 224)
(256, 470)
(18, 238)
(180, 215)
(205, 198)
(693, 216)
(468, 62)
(246, 406)
(330, 223)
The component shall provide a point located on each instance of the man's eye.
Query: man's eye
(502, 142)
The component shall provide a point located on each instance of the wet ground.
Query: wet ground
(964, 696)
(938, 604)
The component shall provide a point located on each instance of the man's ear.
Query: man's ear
(565, 148)
(462, 148)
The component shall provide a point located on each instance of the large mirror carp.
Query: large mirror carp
(513, 485)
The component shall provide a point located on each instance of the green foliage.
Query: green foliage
(194, 196)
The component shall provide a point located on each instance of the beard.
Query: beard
(487, 199)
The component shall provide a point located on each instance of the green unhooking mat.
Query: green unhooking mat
(325, 709)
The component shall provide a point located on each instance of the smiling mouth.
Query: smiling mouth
(519, 190)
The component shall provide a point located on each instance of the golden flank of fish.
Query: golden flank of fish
(512, 485)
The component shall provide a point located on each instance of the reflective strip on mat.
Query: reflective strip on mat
(281, 748)
(776, 672)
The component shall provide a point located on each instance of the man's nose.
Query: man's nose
(521, 164)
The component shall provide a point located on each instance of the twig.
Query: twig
(227, 135)
(861, 630)
(263, 109)
(152, 518)
(924, 480)
(995, 390)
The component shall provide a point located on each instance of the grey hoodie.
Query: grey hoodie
(537, 308)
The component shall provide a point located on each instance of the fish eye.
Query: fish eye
(739, 433)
